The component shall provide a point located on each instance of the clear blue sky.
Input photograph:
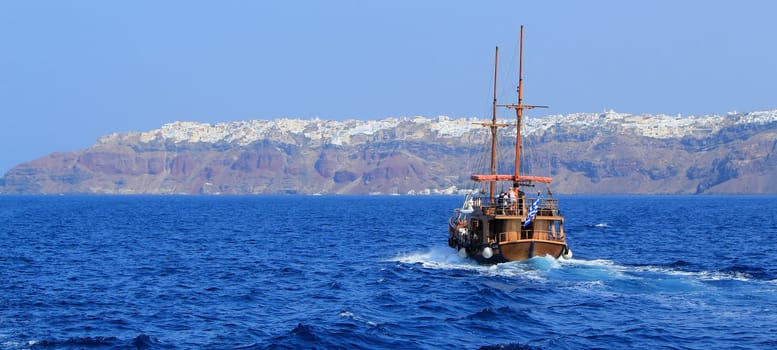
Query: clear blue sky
(71, 71)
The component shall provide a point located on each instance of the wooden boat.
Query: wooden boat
(512, 225)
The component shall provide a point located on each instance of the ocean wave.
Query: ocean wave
(352, 316)
(508, 346)
(142, 341)
(307, 336)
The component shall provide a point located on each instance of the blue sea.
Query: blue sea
(375, 272)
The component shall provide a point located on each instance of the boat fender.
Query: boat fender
(488, 253)
(566, 253)
(463, 253)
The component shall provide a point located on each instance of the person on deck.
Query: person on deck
(512, 200)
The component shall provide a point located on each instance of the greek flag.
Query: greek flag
(532, 211)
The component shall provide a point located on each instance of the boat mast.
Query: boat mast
(519, 109)
(493, 126)
(492, 184)
(516, 177)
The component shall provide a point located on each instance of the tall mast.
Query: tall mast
(492, 184)
(519, 109)
(516, 177)
(493, 126)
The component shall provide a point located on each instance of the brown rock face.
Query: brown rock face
(733, 160)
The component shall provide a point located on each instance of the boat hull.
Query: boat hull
(515, 251)
(527, 249)
(504, 251)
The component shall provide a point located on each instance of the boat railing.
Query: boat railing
(494, 206)
(549, 206)
(549, 203)
(529, 234)
(456, 222)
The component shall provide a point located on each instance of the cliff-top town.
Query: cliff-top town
(340, 132)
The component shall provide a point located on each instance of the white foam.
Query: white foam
(437, 258)
(699, 275)
(534, 269)
(445, 258)
(630, 272)
(351, 315)
(596, 271)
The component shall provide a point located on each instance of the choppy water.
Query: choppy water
(375, 272)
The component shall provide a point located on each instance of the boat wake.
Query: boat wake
(441, 257)
(578, 272)
(445, 258)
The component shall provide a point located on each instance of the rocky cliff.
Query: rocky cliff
(584, 153)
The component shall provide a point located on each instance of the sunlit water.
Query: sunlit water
(375, 272)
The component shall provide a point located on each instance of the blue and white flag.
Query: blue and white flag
(532, 211)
